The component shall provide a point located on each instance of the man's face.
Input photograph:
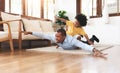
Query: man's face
(59, 37)
(76, 23)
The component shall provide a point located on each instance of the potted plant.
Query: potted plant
(61, 14)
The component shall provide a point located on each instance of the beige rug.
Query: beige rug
(53, 49)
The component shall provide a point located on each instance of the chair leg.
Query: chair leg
(20, 44)
(0, 45)
(11, 45)
(20, 41)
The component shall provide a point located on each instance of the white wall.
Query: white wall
(67, 5)
(107, 33)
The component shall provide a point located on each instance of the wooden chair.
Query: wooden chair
(6, 36)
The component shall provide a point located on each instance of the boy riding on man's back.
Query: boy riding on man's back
(75, 28)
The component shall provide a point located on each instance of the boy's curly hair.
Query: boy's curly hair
(82, 19)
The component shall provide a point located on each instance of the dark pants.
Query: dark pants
(91, 39)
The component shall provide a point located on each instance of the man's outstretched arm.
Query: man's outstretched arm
(26, 33)
(87, 47)
(41, 35)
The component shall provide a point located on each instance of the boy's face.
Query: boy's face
(76, 23)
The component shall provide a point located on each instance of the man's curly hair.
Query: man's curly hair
(82, 19)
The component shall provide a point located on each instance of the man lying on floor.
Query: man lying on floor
(66, 42)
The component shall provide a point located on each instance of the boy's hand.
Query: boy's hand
(56, 17)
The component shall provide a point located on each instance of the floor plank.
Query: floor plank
(48, 62)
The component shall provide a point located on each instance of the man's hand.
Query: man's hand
(26, 33)
(98, 53)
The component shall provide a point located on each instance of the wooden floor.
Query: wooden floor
(42, 62)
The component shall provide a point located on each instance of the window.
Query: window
(94, 8)
(35, 8)
(114, 7)
(49, 9)
(13, 6)
(89, 7)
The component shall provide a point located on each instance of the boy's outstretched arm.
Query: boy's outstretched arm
(62, 19)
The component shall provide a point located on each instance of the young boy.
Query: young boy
(75, 28)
